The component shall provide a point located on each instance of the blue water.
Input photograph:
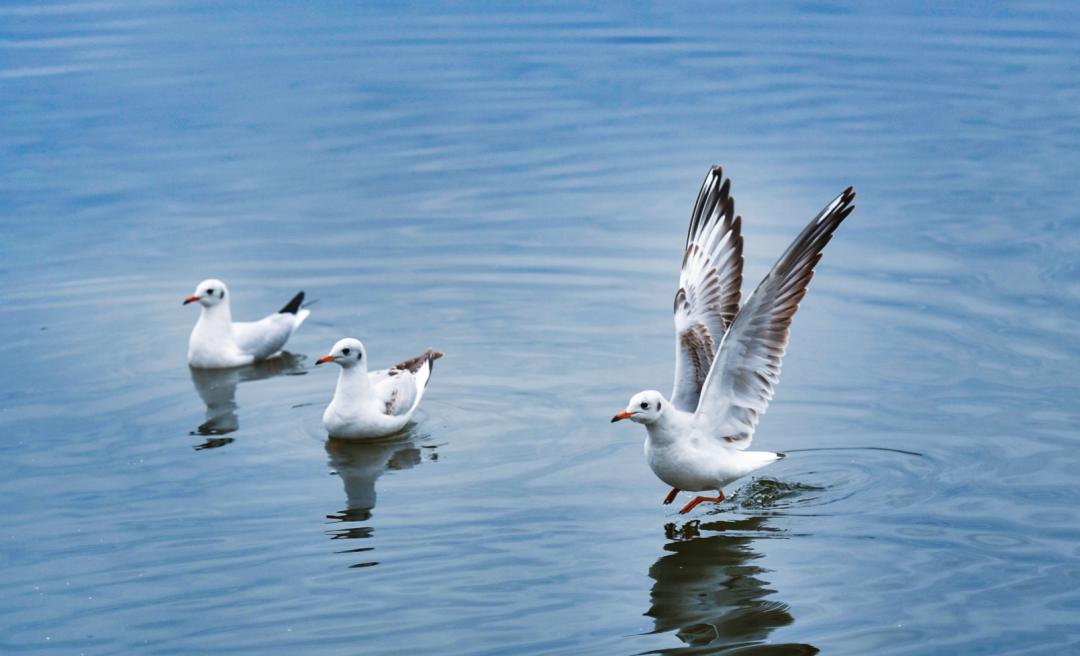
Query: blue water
(511, 185)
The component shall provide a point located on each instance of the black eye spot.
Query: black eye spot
(644, 405)
(210, 292)
(344, 351)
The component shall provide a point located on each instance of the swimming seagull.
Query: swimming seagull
(217, 342)
(727, 358)
(378, 403)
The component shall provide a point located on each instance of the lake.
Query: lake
(511, 185)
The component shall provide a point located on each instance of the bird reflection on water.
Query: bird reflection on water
(359, 464)
(217, 388)
(711, 593)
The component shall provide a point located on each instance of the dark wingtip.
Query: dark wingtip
(432, 356)
(293, 306)
(848, 196)
(781, 455)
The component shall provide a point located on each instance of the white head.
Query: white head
(644, 408)
(209, 293)
(348, 353)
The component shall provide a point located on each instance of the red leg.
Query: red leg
(690, 506)
(671, 495)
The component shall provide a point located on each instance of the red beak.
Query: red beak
(191, 299)
(621, 416)
(325, 358)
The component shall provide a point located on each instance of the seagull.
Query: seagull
(217, 342)
(375, 404)
(727, 357)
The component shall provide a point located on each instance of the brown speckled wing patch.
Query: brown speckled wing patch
(709, 286)
(414, 364)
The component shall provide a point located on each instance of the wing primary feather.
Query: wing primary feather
(707, 298)
(293, 306)
(747, 365)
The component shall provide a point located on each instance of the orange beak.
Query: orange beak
(622, 415)
(325, 358)
(191, 299)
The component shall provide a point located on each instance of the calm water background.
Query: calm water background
(511, 185)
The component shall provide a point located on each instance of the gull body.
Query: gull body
(378, 403)
(218, 342)
(691, 459)
(727, 356)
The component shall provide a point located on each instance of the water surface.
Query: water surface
(511, 185)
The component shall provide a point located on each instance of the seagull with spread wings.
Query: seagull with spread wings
(727, 357)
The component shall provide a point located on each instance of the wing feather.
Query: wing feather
(264, 337)
(708, 296)
(747, 366)
(402, 386)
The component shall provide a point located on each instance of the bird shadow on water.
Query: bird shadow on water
(359, 464)
(217, 389)
(709, 588)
